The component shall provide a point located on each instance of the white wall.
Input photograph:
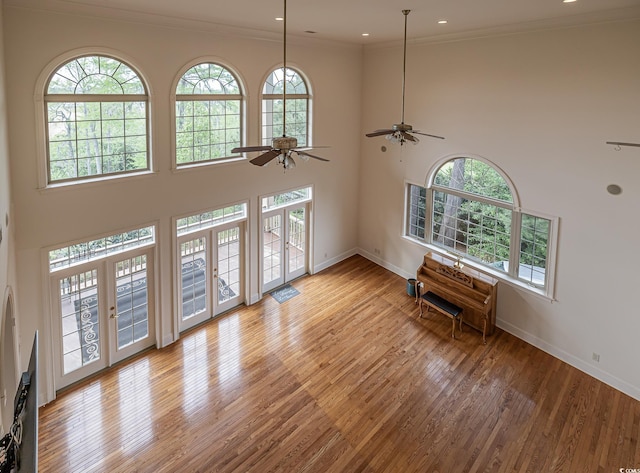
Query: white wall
(55, 216)
(9, 366)
(541, 106)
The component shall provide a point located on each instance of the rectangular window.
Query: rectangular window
(96, 138)
(211, 219)
(296, 119)
(280, 200)
(534, 249)
(416, 211)
(207, 130)
(99, 248)
(475, 229)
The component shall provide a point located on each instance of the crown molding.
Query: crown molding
(573, 21)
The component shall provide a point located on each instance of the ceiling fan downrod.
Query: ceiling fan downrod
(404, 60)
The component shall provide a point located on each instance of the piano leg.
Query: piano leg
(484, 331)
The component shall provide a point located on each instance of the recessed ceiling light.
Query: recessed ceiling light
(365, 34)
(279, 18)
(442, 22)
(569, 1)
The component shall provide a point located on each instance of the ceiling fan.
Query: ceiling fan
(284, 146)
(402, 132)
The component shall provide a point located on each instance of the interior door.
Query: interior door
(103, 313)
(284, 246)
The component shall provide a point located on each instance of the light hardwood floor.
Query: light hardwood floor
(343, 377)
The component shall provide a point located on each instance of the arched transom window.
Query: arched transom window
(208, 114)
(97, 120)
(470, 209)
(297, 106)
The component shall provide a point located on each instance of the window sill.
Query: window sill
(537, 291)
(203, 164)
(98, 180)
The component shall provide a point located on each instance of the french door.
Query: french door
(103, 313)
(284, 245)
(211, 272)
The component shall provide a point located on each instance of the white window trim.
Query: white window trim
(405, 219)
(511, 278)
(310, 218)
(309, 97)
(41, 118)
(175, 252)
(243, 110)
(547, 295)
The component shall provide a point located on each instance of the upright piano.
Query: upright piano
(474, 292)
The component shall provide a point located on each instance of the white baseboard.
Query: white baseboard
(599, 374)
(380, 262)
(568, 358)
(167, 340)
(335, 260)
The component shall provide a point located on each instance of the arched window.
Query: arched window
(470, 208)
(297, 106)
(97, 120)
(208, 114)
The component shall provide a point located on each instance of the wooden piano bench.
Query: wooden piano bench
(443, 306)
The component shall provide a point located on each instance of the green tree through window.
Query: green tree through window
(297, 119)
(96, 109)
(472, 214)
(208, 114)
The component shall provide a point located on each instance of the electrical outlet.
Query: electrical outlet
(596, 357)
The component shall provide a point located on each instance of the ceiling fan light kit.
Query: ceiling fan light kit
(402, 132)
(284, 146)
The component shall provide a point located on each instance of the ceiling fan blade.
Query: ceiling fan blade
(379, 133)
(409, 137)
(427, 134)
(305, 148)
(304, 153)
(249, 149)
(265, 157)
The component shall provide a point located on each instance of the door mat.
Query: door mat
(284, 293)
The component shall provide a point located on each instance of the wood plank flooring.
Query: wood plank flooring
(344, 377)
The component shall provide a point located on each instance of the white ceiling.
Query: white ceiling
(346, 20)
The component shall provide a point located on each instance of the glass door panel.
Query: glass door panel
(132, 301)
(272, 251)
(193, 278)
(296, 243)
(80, 322)
(228, 268)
